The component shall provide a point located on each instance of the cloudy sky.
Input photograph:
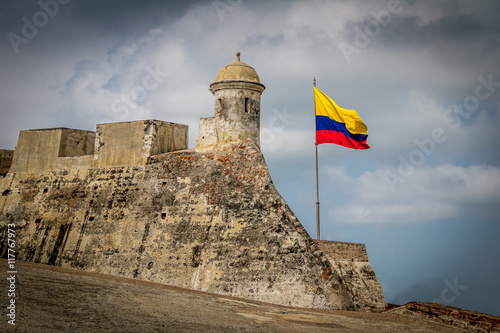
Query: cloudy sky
(423, 75)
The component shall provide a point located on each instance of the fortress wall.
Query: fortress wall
(344, 251)
(208, 221)
(350, 261)
(169, 137)
(74, 163)
(39, 150)
(131, 143)
(115, 144)
(36, 150)
(76, 143)
(5, 161)
(460, 318)
(207, 138)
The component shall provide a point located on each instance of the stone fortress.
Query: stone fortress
(131, 199)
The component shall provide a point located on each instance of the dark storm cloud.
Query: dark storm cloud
(120, 18)
(410, 21)
(109, 13)
(129, 16)
(459, 27)
(457, 38)
(410, 31)
(11, 12)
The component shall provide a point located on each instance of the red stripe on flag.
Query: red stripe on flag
(325, 136)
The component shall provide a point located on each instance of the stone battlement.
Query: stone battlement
(111, 145)
(344, 251)
(5, 161)
(350, 261)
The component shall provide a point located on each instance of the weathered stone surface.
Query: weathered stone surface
(131, 143)
(76, 143)
(237, 91)
(5, 161)
(37, 150)
(206, 221)
(350, 261)
(207, 137)
(55, 299)
(112, 145)
(465, 319)
(237, 111)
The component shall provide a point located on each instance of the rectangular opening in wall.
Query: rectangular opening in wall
(38, 220)
(247, 104)
(91, 218)
(218, 107)
(45, 190)
(163, 216)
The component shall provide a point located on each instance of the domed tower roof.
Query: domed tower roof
(237, 71)
(237, 75)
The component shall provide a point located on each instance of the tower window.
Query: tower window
(247, 104)
(219, 105)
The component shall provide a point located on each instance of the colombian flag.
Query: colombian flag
(338, 125)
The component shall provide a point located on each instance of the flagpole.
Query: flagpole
(317, 182)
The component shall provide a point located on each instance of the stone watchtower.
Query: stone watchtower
(237, 91)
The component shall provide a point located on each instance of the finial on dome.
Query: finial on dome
(237, 71)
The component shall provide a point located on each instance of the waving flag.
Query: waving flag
(338, 125)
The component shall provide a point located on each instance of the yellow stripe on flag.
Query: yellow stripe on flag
(325, 106)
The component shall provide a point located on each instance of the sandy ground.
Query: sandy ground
(54, 299)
